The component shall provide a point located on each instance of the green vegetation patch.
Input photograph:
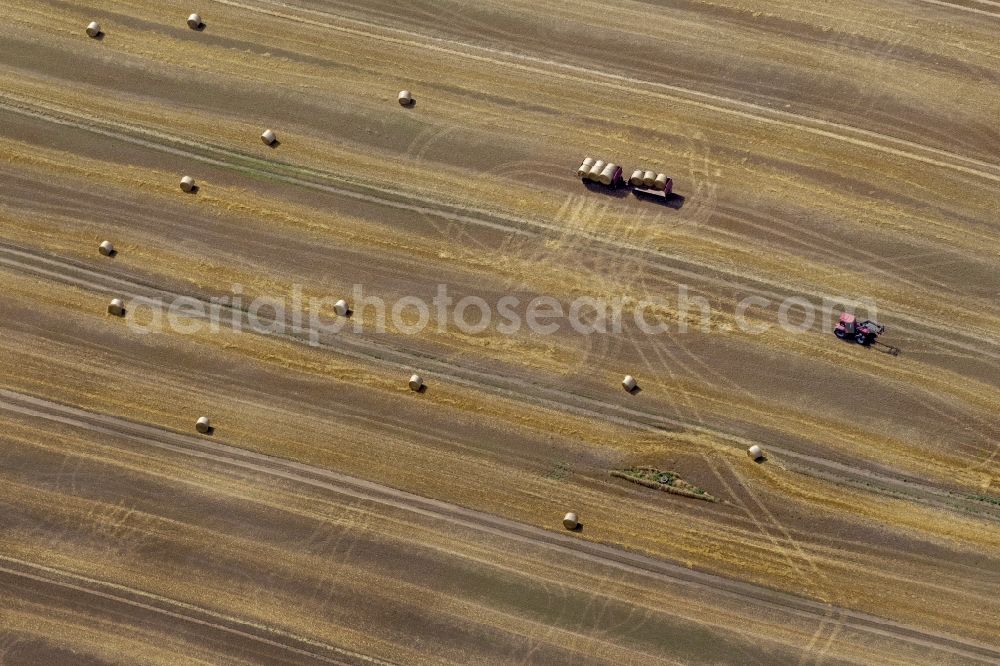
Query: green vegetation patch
(989, 499)
(658, 479)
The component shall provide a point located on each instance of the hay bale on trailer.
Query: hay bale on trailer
(269, 137)
(595, 171)
(648, 179)
(584, 169)
(94, 29)
(571, 521)
(416, 382)
(203, 425)
(106, 248)
(608, 174)
(194, 22)
(116, 307)
(661, 181)
(635, 180)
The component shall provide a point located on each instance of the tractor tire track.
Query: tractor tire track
(966, 8)
(560, 544)
(655, 259)
(178, 610)
(626, 84)
(359, 348)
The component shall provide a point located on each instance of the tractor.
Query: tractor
(864, 333)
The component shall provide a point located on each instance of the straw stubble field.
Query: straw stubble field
(819, 151)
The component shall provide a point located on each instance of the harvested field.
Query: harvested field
(821, 154)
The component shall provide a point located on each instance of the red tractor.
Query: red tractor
(864, 333)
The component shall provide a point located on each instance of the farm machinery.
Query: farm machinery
(863, 332)
(612, 176)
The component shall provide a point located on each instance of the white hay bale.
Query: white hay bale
(116, 307)
(595, 171)
(203, 425)
(571, 521)
(661, 181)
(629, 383)
(269, 137)
(755, 452)
(93, 29)
(405, 98)
(194, 22)
(341, 308)
(608, 173)
(636, 178)
(584, 169)
(416, 382)
(648, 178)
(187, 184)
(106, 248)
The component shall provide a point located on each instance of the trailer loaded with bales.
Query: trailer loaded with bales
(611, 175)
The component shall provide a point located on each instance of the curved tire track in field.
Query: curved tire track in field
(561, 544)
(178, 610)
(359, 348)
(716, 103)
(966, 8)
(302, 177)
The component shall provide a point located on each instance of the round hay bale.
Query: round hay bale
(755, 452)
(187, 183)
(416, 382)
(194, 22)
(203, 425)
(116, 307)
(608, 173)
(93, 29)
(106, 248)
(584, 169)
(341, 308)
(571, 521)
(648, 178)
(595, 171)
(636, 178)
(661, 181)
(629, 383)
(405, 98)
(269, 137)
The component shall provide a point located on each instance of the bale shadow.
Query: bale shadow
(274, 144)
(99, 36)
(410, 105)
(200, 27)
(635, 390)
(194, 189)
(606, 190)
(578, 528)
(112, 254)
(761, 460)
(672, 200)
(422, 389)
